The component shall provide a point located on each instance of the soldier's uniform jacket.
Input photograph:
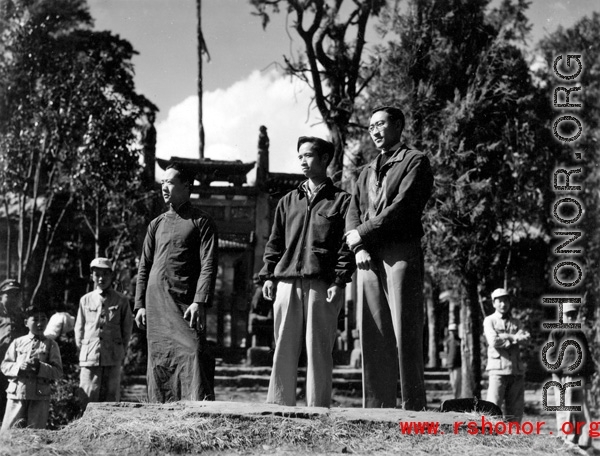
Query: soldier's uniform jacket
(103, 328)
(27, 385)
(504, 357)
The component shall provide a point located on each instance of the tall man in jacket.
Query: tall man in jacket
(306, 267)
(384, 230)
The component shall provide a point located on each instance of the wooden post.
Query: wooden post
(472, 328)
(201, 51)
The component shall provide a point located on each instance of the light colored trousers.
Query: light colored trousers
(508, 393)
(100, 384)
(456, 381)
(573, 396)
(302, 314)
(390, 322)
(26, 413)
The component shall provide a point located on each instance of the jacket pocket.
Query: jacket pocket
(90, 350)
(327, 227)
(43, 388)
(12, 387)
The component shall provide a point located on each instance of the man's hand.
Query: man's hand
(333, 292)
(140, 318)
(521, 335)
(30, 366)
(195, 314)
(363, 260)
(353, 238)
(268, 290)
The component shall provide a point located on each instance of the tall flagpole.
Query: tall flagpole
(201, 50)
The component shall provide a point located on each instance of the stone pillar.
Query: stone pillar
(262, 164)
(149, 150)
(262, 221)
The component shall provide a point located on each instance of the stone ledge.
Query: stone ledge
(257, 410)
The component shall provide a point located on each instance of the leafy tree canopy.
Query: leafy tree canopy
(69, 121)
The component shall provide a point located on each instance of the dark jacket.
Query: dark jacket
(307, 239)
(387, 204)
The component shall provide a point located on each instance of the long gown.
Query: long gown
(177, 267)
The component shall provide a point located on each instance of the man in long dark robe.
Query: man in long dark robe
(175, 284)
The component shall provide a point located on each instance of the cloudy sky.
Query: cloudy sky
(243, 85)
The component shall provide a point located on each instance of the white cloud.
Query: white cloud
(233, 116)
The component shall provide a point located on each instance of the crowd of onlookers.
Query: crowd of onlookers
(31, 355)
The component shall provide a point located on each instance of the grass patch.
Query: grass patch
(150, 432)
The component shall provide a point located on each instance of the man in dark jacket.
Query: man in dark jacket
(307, 266)
(384, 230)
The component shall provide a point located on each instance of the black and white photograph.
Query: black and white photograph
(299, 227)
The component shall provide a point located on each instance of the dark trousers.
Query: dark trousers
(390, 321)
(3, 386)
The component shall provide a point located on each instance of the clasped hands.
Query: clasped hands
(31, 366)
(521, 335)
(362, 257)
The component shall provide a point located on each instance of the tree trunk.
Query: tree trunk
(338, 138)
(471, 353)
(432, 326)
(8, 238)
(97, 248)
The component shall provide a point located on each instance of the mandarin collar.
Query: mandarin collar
(183, 207)
(32, 337)
(103, 293)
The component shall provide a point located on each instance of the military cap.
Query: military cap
(499, 292)
(101, 263)
(9, 284)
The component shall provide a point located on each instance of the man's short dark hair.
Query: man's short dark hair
(37, 309)
(185, 176)
(393, 112)
(319, 145)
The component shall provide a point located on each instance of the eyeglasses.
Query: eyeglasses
(377, 126)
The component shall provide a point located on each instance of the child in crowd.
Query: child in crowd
(102, 333)
(31, 363)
